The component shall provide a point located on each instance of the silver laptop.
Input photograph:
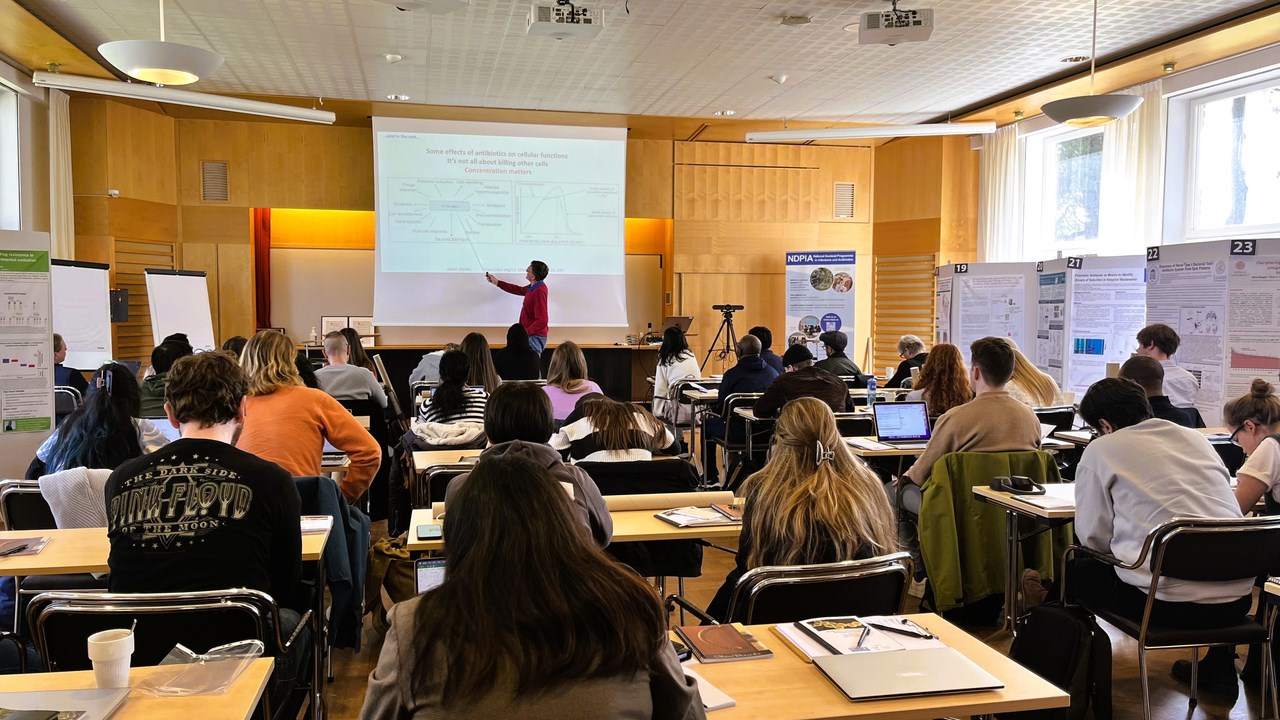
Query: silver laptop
(904, 425)
(96, 704)
(905, 673)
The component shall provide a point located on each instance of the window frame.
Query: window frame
(1038, 242)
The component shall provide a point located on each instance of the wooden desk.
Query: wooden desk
(1082, 437)
(628, 526)
(423, 459)
(237, 703)
(85, 550)
(1019, 505)
(786, 688)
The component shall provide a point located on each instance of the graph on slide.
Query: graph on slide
(567, 213)
(449, 211)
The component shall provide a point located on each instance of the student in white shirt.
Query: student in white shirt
(1160, 341)
(675, 362)
(1141, 472)
(605, 430)
(1253, 419)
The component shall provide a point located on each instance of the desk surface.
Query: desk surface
(1048, 445)
(423, 459)
(1082, 437)
(83, 550)
(1019, 505)
(787, 688)
(628, 526)
(238, 703)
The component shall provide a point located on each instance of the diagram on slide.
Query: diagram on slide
(566, 213)
(448, 211)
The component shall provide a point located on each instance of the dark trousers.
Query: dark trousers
(290, 666)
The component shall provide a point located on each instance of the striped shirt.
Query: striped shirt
(582, 442)
(471, 412)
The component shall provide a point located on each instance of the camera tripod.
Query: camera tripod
(726, 330)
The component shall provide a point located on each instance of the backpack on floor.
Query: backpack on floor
(1065, 646)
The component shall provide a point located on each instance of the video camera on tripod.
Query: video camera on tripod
(726, 330)
(728, 309)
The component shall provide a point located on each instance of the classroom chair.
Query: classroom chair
(1207, 551)
(788, 593)
(431, 485)
(65, 400)
(855, 425)
(1061, 417)
(376, 498)
(60, 622)
(734, 441)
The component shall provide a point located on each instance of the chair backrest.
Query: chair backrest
(22, 507)
(668, 475)
(1216, 550)
(1061, 418)
(777, 593)
(436, 482)
(855, 425)
(376, 414)
(61, 621)
(65, 400)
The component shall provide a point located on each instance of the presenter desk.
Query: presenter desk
(785, 687)
(237, 703)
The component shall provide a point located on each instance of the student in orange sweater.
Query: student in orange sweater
(287, 422)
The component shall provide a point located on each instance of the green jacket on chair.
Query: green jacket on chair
(962, 539)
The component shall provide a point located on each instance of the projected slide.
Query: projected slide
(458, 199)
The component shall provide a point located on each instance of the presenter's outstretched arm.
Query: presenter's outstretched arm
(492, 280)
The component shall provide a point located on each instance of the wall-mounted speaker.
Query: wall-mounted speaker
(119, 305)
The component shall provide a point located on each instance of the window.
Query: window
(1063, 192)
(10, 202)
(1235, 163)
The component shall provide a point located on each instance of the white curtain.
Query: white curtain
(62, 223)
(1000, 197)
(1132, 203)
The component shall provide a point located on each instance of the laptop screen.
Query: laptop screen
(897, 421)
(429, 574)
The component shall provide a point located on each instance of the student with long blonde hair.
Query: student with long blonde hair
(1029, 385)
(287, 422)
(943, 382)
(567, 379)
(813, 502)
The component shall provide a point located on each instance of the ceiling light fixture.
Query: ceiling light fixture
(1169, 67)
(1074, 59)
(397, 96)
(393, 58)
(853, 27)
(724, 113)
(160, 62)
(876, 131)
(796, 20)
(1091, 110)
(137, 91)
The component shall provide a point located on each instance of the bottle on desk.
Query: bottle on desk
(871, 390)
(314, 337)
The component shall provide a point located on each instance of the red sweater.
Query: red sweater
(533, 314)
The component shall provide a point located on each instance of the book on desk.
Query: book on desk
(684, 517)
(722, 643)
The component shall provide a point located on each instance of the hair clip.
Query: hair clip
(824, 454)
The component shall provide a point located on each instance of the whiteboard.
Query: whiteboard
(179, 301)
(82, 312)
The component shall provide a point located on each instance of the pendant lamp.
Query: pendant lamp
(160, 62)
(1091, 110)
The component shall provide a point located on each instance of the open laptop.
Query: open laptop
(681, 321)
(903, 425)
(905, 673)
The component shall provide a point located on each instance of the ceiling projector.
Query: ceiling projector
(895, 26)
(563, 21)
(435, 7)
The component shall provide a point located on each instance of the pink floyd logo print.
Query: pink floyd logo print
(178, 501)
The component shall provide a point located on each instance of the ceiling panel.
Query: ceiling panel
(669, 57)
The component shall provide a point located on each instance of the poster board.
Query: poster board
(82, 312)
(987, 299)
(179, 302)
(26, 345)
(821, 294)
(1222, 298)
(1089, 311)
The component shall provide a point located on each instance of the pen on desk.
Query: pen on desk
(901, 631)
(13, 550)
(863, 637)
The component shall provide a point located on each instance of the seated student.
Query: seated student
(675, 363)
(836, 362)
(359, 357)
(235, 346)
(1030, 386)
(428, 368)
(1149, 374)
(749, 375)
(911, 350)
(306, 370)
(481, 373)
(943, 382)
(64, 376)
(1160, 341)
(251, 539)
(1253, 420)
(580, 636)
(517, 361)
(453, 401)
(518, 423)
(104, 431)
(813, 502)
(770, 358)
(152, 391)
(612, 431)
(802, 379)
(1141, 472)
(287, 423)
(344, 381)
(567, 379)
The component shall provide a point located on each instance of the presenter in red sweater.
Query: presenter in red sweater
(533, 314)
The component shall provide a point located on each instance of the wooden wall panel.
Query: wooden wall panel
(762, 294)
(204, 256)
(141, 156)
(905, 303)
(133, 339)
(959, 236)
(144, 220)
(235, 301)
(221, 140)
(649, 178)
(844, 165)
(88, 146)
(908, 177)
(208, 224)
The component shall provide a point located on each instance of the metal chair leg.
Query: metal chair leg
(1269, 678)
(1146, 690)
(680, 592)
(1195, 676)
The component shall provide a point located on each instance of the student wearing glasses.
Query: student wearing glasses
(1254, 421)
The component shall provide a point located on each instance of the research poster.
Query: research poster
(820, 297)
(1253, 315)
(992, 303)
(1108, 304)
(942, 309)
(26, 340)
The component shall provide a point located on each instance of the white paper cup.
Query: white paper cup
(889, 370)
(110, 651)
